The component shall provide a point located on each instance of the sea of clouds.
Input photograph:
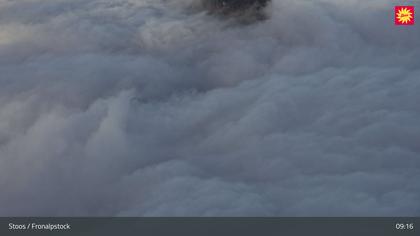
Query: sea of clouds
(156, 108)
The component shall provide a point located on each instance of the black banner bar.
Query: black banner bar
(218, 226)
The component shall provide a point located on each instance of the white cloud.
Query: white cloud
(121, 107)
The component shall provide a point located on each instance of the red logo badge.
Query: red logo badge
(404, 15)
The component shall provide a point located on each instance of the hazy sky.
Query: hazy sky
(155, 108)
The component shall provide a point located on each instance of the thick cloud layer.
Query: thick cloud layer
(155, 108)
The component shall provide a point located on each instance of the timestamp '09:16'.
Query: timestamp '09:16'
(404, 226)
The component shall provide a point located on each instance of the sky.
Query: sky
(157, 108)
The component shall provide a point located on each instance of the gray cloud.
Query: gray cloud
(155, 108)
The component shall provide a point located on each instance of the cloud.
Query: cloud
(155, 108)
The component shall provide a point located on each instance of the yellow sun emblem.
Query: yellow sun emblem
(404, 15)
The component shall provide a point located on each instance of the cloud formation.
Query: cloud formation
(155, 108)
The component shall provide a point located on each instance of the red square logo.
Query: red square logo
(404, 15)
